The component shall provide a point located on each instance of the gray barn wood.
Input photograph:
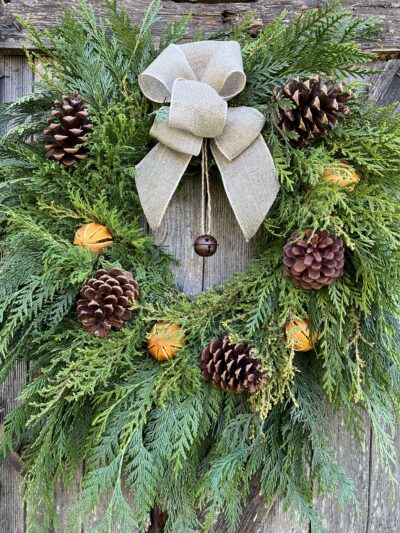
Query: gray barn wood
(379, 512)
(208, 15)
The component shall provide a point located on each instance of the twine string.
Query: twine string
(205, 190)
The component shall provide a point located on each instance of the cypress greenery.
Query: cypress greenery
(158, 432)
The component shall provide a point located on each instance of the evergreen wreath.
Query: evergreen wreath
(155, 432)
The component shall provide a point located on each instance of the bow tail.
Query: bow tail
(157, 177)
(250, 184)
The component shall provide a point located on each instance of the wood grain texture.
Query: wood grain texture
(12, 511)
(258, 517)
(277, 520)
(234, 253)
(383, 503)
(205, 16)
(66, 497)
(179, 228)
(208, 1)
(385, 85)
(15, 80)
(383, 496)
(347, 453)
(92, 522)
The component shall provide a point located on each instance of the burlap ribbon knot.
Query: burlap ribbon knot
(197, 79)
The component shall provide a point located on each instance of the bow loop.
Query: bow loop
(197, 79)
(243, 126)
(157, 80)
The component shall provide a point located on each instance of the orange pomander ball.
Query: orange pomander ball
(93, 236)
(344, 177)
(165, 341)
(299, 337)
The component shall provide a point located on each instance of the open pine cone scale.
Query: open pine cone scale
(231, 367)
(317, 106)
(314, 260)
(106, 300)
(67, 129)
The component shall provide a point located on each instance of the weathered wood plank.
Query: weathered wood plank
(276, 520)
(209, 1)
(234, 253)
(385, 85)
(66, 497)
(95, 520)
(384, 501)
(179, 228)
(12, 512)
(383, 505)
(205, 16)
(16, 80)
(259, 518)
(347, 452)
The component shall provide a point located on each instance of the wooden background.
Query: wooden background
(379, 511)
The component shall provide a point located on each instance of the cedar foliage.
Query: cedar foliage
(156, 433)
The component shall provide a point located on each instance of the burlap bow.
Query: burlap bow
(197, 79)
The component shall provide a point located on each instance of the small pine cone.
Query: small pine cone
(232, 367)
(106, 299)
(66, 130)
(314, 260)
(319, 104)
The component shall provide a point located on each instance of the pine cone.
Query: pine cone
(231, 366)
(319, 104)
(66, 130)
(106, 299)
(314, 261)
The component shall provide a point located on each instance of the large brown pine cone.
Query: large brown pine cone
(319, 104)
(66, 130)
(106, 299)
(232, 367)
(314, 261)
